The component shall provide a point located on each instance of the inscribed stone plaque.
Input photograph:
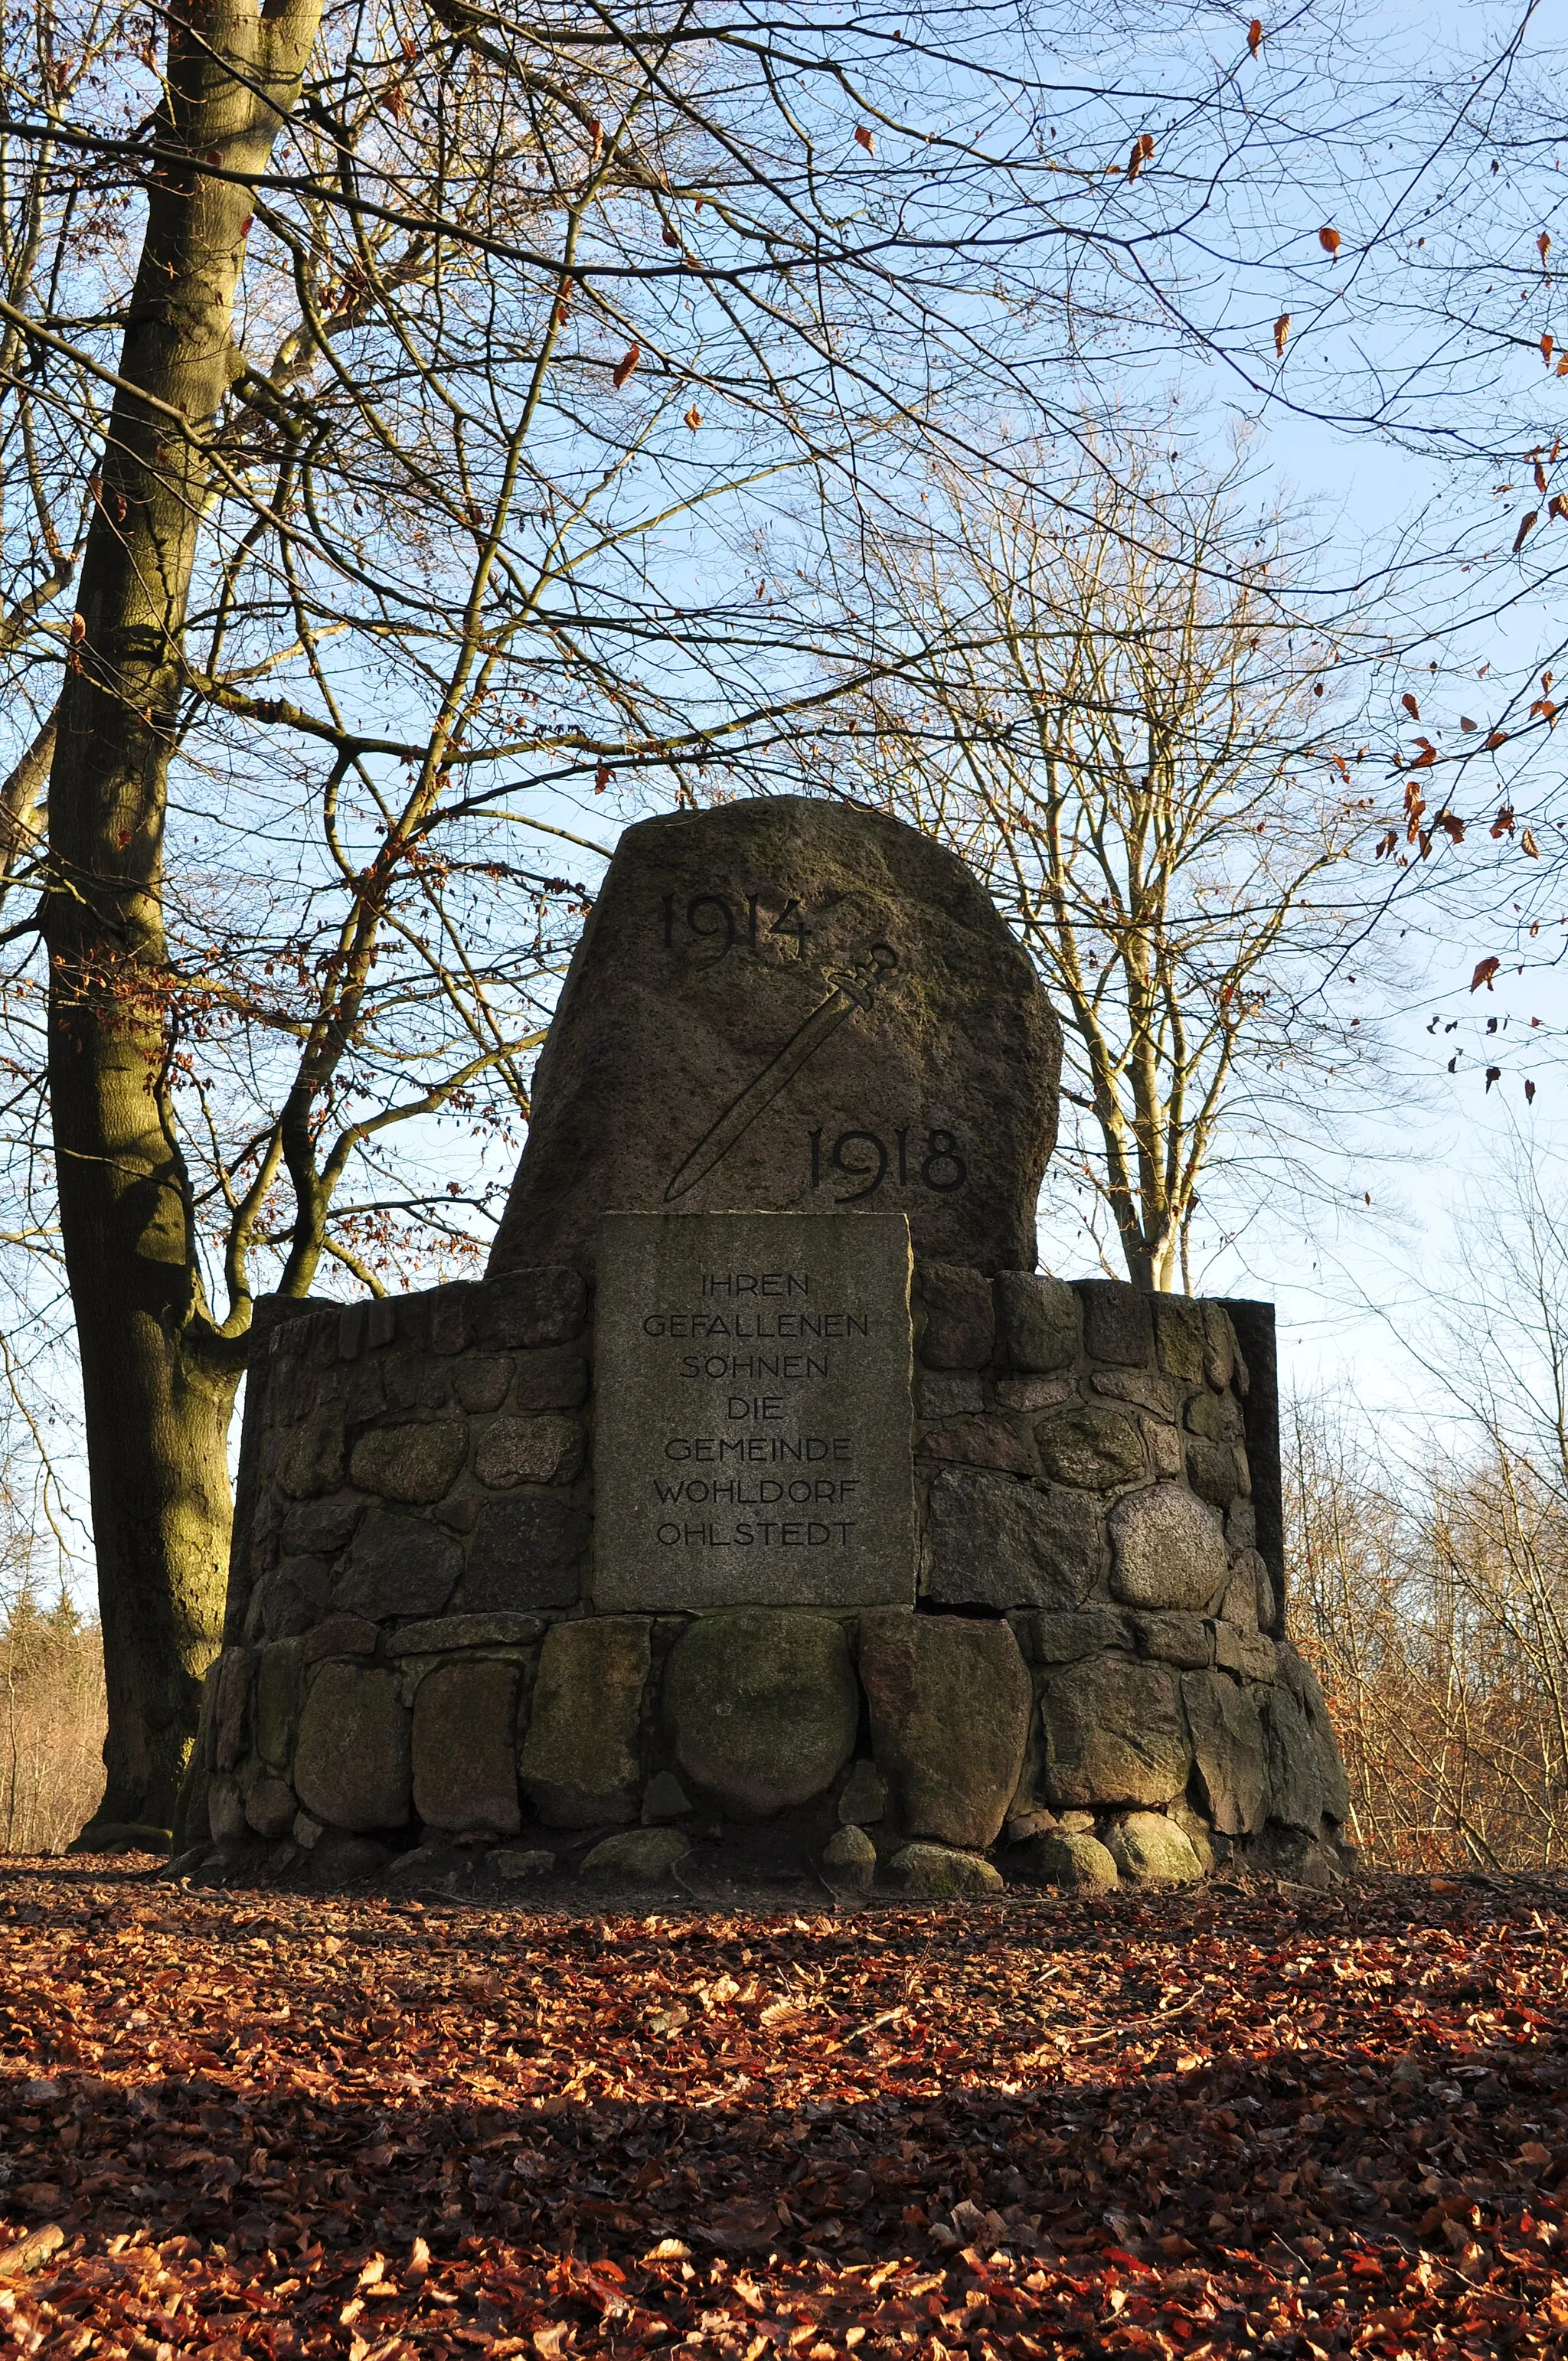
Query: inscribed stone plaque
(752, 1441)
(793, 1006)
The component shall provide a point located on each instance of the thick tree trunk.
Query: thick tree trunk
(158, 1427)
(158, 1382)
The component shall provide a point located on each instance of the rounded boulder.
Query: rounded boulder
(1167, 1549)
(1149, 1849)
(761, 1709)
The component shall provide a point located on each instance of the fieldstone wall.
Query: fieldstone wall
(1093, 1686)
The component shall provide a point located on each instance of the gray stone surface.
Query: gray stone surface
(1217, 1417)
(715, 938)
(1144, 1388)
(464, 1749)
(993, 1542)
(416, 1462)
(1093, 1448)
(957, 1320)
(1222, 1360)
(342, 1859)
(225, 1810)
(447, 1632)
(761, 1709)
(1206, 1842)
(1114, 1733)
(1250, 1655)
(1179, 1328)
(977, 1443)
(1117, 1323)
(290, 1599)
(1034, 1394)
(481, 1382)
(849, 1860)
(664, 1798)
(579, 1760)
(546, 1305)
(1214, 1471)
(950, 1703)
(1078, 1862)
(751, 1435)
(1064, 1639)
(1149, 1849)
(340, 1635)
(636, 1857)
(527, 1552)
(1238, 1608)
(939, 1872)
(352, 1764)
(269, 1807)
(280, 1696)
(947, 1393)
(1295, 1773)
(1299, 1677)
(311, 1460)
(544, 1450)
(1041, 1320)
(555, 1378)
(1167, 1549)
(864, 1801)
(1166, 1455)
(320, 1528)
(231, 1710)
(1174, 1639)
(1228, 1749)
(398, 1565)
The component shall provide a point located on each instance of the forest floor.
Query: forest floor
(1208, 2122)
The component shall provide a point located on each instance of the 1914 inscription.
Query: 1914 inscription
(752, 1424)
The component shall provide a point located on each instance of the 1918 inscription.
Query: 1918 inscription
(752, 1429)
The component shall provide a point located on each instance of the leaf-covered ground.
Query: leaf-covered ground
(1205, 2123)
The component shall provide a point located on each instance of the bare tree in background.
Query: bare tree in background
(1107, 700)
(1432, 1597)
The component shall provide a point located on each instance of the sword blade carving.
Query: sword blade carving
(853, 989)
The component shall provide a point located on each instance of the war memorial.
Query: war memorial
(764, 1512)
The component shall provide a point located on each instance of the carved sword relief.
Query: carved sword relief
(854, 988)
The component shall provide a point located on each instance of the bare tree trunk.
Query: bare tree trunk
(158, 1384)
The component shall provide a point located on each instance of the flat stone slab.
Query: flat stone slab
(752, 1431)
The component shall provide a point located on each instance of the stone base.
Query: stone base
(1093, 1688)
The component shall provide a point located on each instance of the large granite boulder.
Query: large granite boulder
(790, 1004)
(1149, 1849)
(1298, 1677)
(1057, 1857)
(398, 1565)
(280, 1697)
(1167, 1549)
(417, 1461)
(465, 1748)
(1229, 1750)
(1041, 1321)
(352, 1767)
(939, 1872)
(527, 1551)
(580, 1759)
(761, 1709)
(1295, 1770)
(993, 1542)
(1093, 1448)
(1114, 1733)
(949, 1713)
